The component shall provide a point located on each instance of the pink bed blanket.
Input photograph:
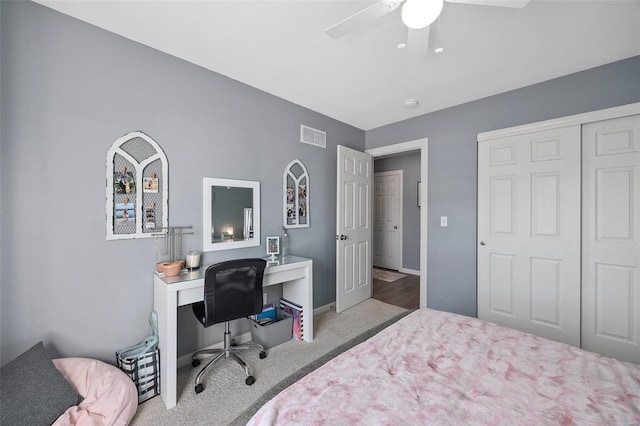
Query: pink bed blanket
(434, 367)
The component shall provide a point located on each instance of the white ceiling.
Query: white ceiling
(363, 79)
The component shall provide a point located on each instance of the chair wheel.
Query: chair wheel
(199, 387)
(250, 380)
(263, 354)
(195, 363)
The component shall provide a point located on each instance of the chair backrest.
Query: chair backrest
(233, 289)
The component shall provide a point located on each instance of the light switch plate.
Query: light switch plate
(443, 221)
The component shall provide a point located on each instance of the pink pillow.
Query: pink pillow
(110, 396)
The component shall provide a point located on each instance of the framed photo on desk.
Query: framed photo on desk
(273, 246)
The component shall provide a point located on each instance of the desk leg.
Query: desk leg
(166, 305)
(300, 291)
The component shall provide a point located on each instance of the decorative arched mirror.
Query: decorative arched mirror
(295, 198)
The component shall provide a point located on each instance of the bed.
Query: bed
(433, 367)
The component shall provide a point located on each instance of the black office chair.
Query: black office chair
(232, 290)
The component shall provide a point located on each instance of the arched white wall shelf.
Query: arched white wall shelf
(295, 197)
(137, 188)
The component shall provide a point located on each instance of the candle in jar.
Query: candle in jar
(193, 259)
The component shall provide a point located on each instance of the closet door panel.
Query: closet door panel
(610, 248)
(529, 232)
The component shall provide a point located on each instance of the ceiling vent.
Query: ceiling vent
(313, 136)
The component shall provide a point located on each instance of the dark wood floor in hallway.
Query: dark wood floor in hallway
(404, 292)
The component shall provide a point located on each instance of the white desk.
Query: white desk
(295, 273)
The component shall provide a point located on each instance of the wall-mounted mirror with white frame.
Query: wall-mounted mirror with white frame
(230, 214)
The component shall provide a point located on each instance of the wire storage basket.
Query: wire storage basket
(141, 362)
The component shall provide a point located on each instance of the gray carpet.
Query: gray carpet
(227, 400)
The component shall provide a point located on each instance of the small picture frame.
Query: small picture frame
(273, 246)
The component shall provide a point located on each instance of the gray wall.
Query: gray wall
(410, 166)
(69, 90)
(451, 265)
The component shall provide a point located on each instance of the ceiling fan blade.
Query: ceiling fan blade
(500, 3)
(353, 22)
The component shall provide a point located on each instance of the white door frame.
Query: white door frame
(399, 148)
(400, 201)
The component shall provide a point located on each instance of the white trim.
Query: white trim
(423, 146)
(572, 120)
(409, 271)
(400, 174)
(325, 308)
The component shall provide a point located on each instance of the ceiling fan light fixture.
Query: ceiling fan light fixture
(418, 14)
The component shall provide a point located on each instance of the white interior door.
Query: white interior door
(353, 228)
(387, 219)
(611, 233)
(529, 232)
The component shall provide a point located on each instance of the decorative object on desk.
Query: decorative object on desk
(170, 269)
(193, 260)
(284, 242)
(169, 243)
(273, 246)
(135, 159)
(295, 198)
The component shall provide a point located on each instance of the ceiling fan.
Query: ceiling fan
(416, 14)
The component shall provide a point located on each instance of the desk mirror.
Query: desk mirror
(230, 214)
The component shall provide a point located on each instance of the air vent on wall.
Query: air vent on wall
(313, 136)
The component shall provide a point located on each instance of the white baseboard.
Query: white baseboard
(186, 359)
(409, 271)
(325, 308)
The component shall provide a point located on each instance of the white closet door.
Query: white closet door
(611, 232)
(387, 199)
(529, 233)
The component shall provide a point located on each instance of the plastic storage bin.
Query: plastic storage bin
(272, 334)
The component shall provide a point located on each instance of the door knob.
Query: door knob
(341, 237)
(481, 243)
(395, 227)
